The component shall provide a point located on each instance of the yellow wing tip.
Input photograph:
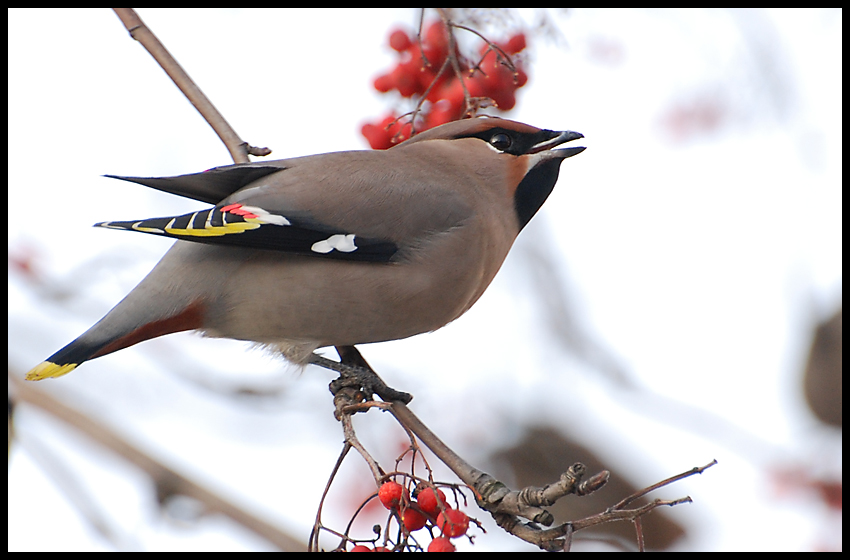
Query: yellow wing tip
(48, 369)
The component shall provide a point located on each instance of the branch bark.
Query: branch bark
(239, 149)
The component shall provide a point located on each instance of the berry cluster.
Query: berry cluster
(428, 507)
(422, 70)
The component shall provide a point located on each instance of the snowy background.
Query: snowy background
(695, 245)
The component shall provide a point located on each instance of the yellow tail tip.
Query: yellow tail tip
(48, 369)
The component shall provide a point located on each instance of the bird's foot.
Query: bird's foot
(355, 372)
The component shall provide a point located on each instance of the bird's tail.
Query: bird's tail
(63, 361)
(112, 333)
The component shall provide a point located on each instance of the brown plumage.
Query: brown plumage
(335, 249)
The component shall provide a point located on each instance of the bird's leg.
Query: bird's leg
(351, 356)
(354, 370)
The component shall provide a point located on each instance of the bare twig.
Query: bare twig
(239, 149)
(168, 481)
(345, 398)
(360, 377)
(507, 506)
(313, 545)
(639, 530)
(665, 482)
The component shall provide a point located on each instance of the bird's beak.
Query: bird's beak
(565, 136)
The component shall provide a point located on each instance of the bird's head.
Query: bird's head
(530, 156)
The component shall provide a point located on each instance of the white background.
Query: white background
(697, 240)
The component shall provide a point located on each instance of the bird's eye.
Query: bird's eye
(500, 141)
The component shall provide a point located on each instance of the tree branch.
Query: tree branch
(168, 481)
(239, 149)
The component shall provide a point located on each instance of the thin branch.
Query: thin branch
(625, 514)
(470, 476)
(666, 482)
(639, 534)
(168, 481)
(239, 149)
(313, 545)
(507, 506)
(501, 55)
(341, 400)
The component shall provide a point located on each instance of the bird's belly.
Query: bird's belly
(320, 302)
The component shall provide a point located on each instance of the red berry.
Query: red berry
(399, 128)
(435, 44)
(429, 75)
(361, 548)
(477, 86)
(391, 494)
(384, 83)
(516, 43)
(413, 520)
(437, 36)
(504, 99)
(399, 40)
(453, 523)
(521, 78)
(441, 113)
(427, 500)
(491, 62)
(441, 544)
(378, 138)
(452, 91)
(405, 78)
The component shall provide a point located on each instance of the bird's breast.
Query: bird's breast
(270, 297)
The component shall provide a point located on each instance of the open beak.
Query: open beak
(561, 138)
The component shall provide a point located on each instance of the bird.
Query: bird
(334, 249)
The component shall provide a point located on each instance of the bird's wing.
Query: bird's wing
(213, 185)
(243, 225)
(360, 206)
(319, 206)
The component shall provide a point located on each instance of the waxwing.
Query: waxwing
(335, 249)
